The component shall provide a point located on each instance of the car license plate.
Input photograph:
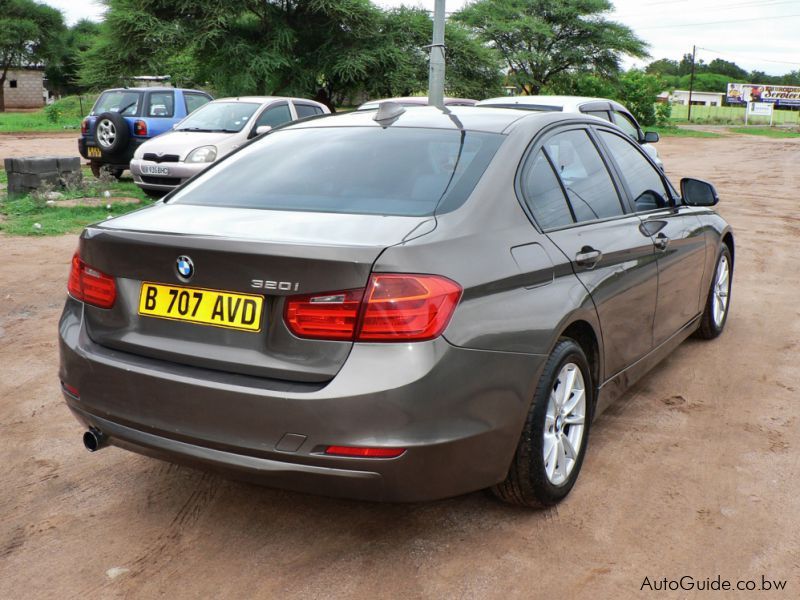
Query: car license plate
(93, 151)
(154, 170)
(202, 306)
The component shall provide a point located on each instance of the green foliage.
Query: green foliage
(638, 91)
(30, 34)
(662, 66)
(766, 132)
(583, 84)
(540, 40)
(53, 113)
(327, 49)
(703, 82)
(62, 71)
(663, 113)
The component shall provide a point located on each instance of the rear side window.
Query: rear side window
(275, 115)
(603, 114)
(590, 189)
(125, 102)
(543, 194)
(194, 101)
(360, 170)
(644, 183)
(306, 110)
(160, 104)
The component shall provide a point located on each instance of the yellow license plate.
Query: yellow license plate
(205, 307)
(93, 151)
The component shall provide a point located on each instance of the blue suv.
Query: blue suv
(123, 119)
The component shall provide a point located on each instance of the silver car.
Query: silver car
(603, 108)
(210, 133)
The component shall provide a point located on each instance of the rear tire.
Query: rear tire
(718, 303)
(556, 432)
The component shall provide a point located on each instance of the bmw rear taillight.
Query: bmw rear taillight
(140, 128)
(393, 308)
(85, 126)
(89, 285)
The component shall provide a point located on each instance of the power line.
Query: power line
(754, 59)
(704, 23)
(716, 7)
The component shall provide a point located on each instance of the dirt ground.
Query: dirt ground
(694, 472)
(39, 144)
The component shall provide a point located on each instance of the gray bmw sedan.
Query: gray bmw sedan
(402, 305)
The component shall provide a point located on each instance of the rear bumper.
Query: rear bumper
(177, 174)
(458, 412)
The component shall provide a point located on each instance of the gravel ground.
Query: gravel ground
(694, 472)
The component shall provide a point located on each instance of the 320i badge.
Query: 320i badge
(478, 284)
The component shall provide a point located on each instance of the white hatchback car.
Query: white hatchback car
(603, 108)
(208, 134)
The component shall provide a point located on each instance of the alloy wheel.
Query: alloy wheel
(106, 133)
(721, 289)
(564, 424)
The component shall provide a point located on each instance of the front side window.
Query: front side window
(275, 116)
(356, 170)
(226, 117)
(625, 123)
(161, 104)
(543, 194)
(644, 183)
(590, 189)
(124, 102)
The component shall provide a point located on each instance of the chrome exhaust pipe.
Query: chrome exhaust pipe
(94, 439)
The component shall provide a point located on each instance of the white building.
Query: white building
(698, 98)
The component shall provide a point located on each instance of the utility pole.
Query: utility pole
(436, 73)
(691, 85)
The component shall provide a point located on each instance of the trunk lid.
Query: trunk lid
(244, 251)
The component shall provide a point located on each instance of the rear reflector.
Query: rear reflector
(71, 390)
(90, 285)
(364, 452)
(393, 308)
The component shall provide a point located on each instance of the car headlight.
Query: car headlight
(203, 154)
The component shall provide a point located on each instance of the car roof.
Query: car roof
(469, 118)
(415, 101)
(157, 88)
(263, 99)
(562, 102)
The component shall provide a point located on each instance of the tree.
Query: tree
(30, 35)
(730, 69)
(542, 39)
(328, 49)
(663, 66)
(638, 91)
(62, 74)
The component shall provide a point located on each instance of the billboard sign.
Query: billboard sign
(779, 95)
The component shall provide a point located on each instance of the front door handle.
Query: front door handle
(661, 241)
(588, 257)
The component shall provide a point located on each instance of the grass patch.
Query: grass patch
(64, 114)
(729, 115)
(766, 131)
(681, 132)
(20, 214)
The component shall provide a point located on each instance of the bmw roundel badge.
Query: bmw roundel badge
(185, 267)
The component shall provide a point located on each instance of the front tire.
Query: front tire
(718, 302)
(554, 439)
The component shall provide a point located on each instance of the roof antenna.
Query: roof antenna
(387, 113)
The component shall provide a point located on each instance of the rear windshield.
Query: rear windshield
(125, 102)
(228, 117)
(366, 170)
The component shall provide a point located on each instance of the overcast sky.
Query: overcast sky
(760, 35)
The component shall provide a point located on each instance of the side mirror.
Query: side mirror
(651, 137)
(697, 192)
(261, 129)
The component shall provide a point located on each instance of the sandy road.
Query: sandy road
(694, 472)
(39, 144)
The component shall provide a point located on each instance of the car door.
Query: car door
(304, 109)
(159, 112)
(274, 115)
(676, 231)
(577, 204)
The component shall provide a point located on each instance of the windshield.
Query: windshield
(366, 170)
(125, 102)
(219, 116)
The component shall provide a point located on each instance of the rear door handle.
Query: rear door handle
(588, 257)
(661, 241)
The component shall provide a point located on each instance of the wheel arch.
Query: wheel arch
(727, 239)
(587, 338)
